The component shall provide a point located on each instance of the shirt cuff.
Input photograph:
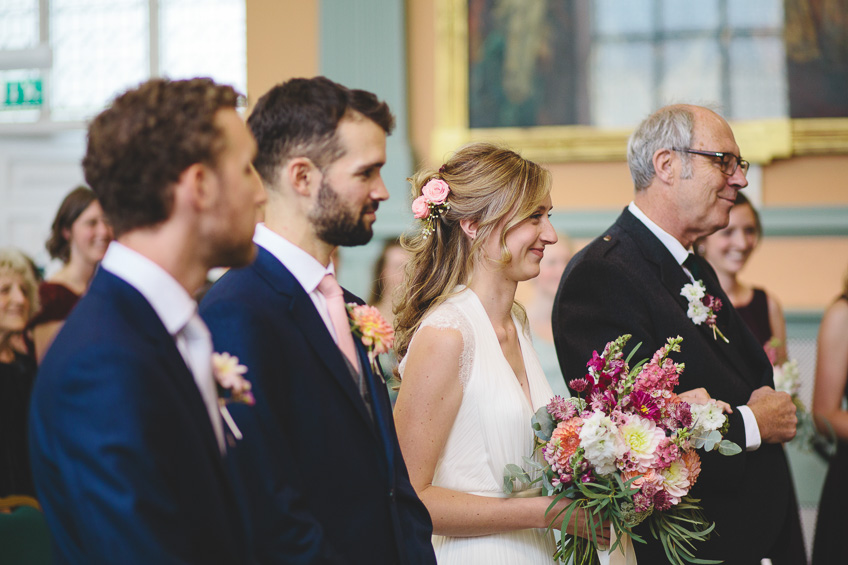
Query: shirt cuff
(752, 430)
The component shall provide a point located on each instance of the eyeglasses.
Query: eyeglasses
(728, 161)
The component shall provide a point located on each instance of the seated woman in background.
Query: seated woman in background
(831, 545)
(728, 250)
(18, 301)
(79, 238)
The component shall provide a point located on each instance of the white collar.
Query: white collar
(303, 266)
(670, 242)
(171, 302)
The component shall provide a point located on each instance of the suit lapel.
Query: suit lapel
(381, 411)
(130, 303)
(311, 325)
(673, 278)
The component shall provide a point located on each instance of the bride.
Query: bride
(471, 380)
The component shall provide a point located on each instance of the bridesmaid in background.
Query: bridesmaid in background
(79, 238)
(830, 544)
(728, 251)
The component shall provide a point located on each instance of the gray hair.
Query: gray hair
(667, 128)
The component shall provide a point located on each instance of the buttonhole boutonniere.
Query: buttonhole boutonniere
(229, 375)
(373, 330)
(702, 307)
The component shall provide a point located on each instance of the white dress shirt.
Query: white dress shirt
(680, 253)
(175, 308)
(303, 266)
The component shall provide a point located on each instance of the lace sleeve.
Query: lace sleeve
(448, 317)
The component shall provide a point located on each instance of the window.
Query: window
(79, 54)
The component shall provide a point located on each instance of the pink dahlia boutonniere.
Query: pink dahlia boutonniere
(702, 307)
(229, 375)
(372, 329)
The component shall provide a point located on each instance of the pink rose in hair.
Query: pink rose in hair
(436, 191)
(420, 209)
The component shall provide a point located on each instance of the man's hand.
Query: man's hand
(775, 414)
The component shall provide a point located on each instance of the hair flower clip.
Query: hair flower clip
(431, 204)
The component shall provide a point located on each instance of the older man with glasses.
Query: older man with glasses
(687, 171)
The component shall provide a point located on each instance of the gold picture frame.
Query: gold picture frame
(762, 140)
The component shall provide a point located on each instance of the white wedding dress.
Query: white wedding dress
(492, 429)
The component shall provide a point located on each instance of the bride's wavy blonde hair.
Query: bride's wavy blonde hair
(489, 185)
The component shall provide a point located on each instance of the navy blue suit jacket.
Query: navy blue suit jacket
(627, 282)
(124, 456)
(327, 484)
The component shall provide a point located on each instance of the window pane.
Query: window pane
(18, 24)
(213, 45)
(758, 86)
(616, 17)
(756, 14)
(100, 48)
(688, 15)
(622, 92)
(691, 72)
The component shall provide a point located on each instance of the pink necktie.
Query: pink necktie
(338, 315)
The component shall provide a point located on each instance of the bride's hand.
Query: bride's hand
(701, 396)
(581, 522)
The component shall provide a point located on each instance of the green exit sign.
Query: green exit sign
(23, 94)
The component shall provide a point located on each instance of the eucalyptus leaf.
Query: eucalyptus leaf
(712, 440)
(727, 447)
(543, 424)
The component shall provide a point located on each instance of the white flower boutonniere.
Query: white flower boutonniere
(702, 307)
(229, 375)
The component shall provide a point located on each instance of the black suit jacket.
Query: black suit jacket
(627, 282)
(123, 453)
(327, 483)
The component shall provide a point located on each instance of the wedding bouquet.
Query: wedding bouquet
(626, 453)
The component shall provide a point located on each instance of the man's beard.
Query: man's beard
(336, 224)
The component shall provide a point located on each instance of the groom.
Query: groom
(325, 477)
(126, 440)
(687, 171)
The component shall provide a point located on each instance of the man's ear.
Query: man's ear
(194, 187)
(469, 227)
(303, 175)
(664, 165)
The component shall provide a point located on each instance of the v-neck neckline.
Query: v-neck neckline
(527, 398)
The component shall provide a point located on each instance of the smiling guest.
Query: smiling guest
(325, 479)
(79, 237)
(728, 250)
(18, 301)
(687, 174)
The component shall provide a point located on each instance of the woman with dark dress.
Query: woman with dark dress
(831, 543)
(79, 238)
(728, 251)
(18, 301)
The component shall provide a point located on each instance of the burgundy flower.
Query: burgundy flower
(578, 385)
(662, 500)
(644, 405)
(597, 363)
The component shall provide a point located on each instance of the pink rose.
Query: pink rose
(420, 209)
(436, 191)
